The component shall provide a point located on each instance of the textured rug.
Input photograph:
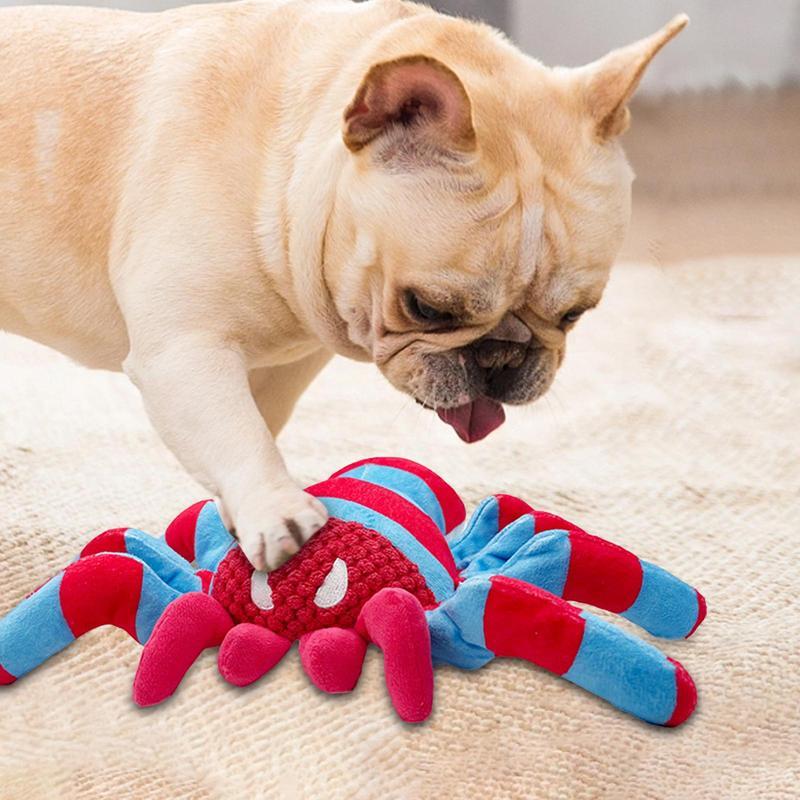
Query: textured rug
(673, 429)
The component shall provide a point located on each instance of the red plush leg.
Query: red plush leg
(249, 652)
(332, 658)
(189, 625)
(394, 620)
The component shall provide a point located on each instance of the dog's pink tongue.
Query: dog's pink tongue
(476, 420)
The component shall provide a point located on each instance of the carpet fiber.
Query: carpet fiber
(673, 429)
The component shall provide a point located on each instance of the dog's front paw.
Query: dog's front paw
(272, 525)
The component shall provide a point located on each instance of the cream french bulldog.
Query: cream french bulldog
(217, 199)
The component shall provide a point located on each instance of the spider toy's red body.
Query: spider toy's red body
(393, 566)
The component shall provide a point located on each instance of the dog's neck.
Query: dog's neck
(292, 230)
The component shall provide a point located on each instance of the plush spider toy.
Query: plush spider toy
(394, 566)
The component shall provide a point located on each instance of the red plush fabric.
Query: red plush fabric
(112, 541)
(180, 533)
(702, 609)
(545, 521)
(395, 621)
(190, 624)
(101, 590)
(524, 621)
(249, 652)
(601, 573)
(206, 579)
(372, 563)
(332, 658)
(6, 678)
(686, 695)
(509, 509)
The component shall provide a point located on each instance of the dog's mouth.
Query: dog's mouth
(474, 420)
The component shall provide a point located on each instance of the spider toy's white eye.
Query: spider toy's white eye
(261, 591)
(334, 587)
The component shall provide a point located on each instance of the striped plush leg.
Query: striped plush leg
(199, 535)
(524, 621)
(496, 513)
(172, 568)
(502, 616)
(578, 566)
(105, 589)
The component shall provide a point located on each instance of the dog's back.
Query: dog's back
(67, 81)
(85, 92)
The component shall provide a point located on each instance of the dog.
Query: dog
(217, 199)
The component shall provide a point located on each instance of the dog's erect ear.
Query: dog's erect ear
(613, 79)
(416, 92)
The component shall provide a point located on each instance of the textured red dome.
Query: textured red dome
(373, 563)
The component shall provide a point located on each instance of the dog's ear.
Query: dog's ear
(611, 81)
(417, 93)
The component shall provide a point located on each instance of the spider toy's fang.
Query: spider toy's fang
(394, 620)
(249, 652)
(191, 624)
(332, 658)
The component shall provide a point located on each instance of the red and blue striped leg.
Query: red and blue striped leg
(105, 589)
(578, 566)
(199, 535)
(524, 621)
(480, 532)
(172, 568)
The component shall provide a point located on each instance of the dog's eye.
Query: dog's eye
(423, 312)
(571, 317)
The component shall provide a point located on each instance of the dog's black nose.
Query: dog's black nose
(494, 355)
(504, 347)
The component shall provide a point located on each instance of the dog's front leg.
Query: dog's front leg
(197, 394)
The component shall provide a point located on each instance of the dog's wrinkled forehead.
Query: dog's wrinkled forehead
(463, 247)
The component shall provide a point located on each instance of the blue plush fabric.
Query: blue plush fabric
(666, 606)
(165, 562)
(155, 596)
(34, 631)
(542, 561)
(478, 531)
(501, 547)
(624, 670)
(457, 634)
(212, 539)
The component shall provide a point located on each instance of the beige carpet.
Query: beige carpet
(673, 429)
